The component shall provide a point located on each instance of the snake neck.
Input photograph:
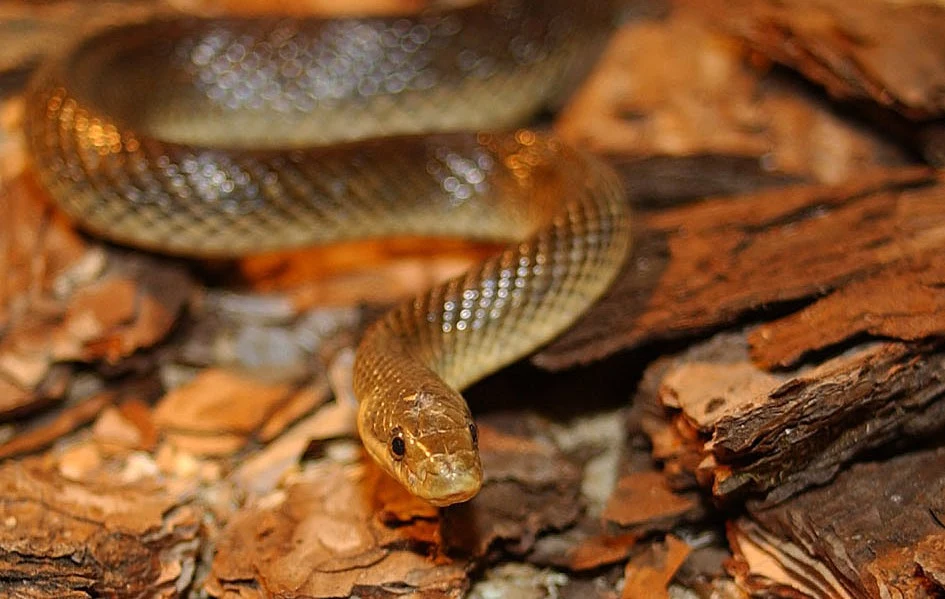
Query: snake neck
(412, 362)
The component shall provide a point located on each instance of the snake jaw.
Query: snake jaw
(446, 479)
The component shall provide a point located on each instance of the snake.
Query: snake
(219, 137)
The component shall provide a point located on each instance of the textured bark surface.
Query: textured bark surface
(740, 429)
(64, 539)
(712, 264)
(905, 301)
(888, 53)
(875, 532)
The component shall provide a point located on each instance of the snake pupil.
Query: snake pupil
(398, 447)
(474, 431)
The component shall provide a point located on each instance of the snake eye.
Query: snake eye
(398, 447)
(474, 432)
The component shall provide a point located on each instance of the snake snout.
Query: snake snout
(449, 478)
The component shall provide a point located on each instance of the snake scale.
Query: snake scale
(222, 137)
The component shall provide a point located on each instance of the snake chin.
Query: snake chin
(446, 479)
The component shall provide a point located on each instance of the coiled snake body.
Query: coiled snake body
(226, 137)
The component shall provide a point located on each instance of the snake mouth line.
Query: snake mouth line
(454, 497)
(448, 479)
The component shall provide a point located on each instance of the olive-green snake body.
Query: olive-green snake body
(221, 137)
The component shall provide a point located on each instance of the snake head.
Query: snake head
(429, 444)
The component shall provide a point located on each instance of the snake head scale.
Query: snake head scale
(429, 444)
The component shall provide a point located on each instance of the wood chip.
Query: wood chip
(300, 403)
(138, 414)
(64, 423)
(649, 574)
(529, 488)
(601, 550)
(79, 462)
(643, 501)
(14, 398)
(219, 403)
(260, 473)
(112, 429)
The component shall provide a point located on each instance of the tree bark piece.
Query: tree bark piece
(875, 532)
(888, 53)
(741, 429)
(681, 87)
(904, 301)
(704, 266)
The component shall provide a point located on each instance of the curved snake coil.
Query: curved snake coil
(227, 137)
